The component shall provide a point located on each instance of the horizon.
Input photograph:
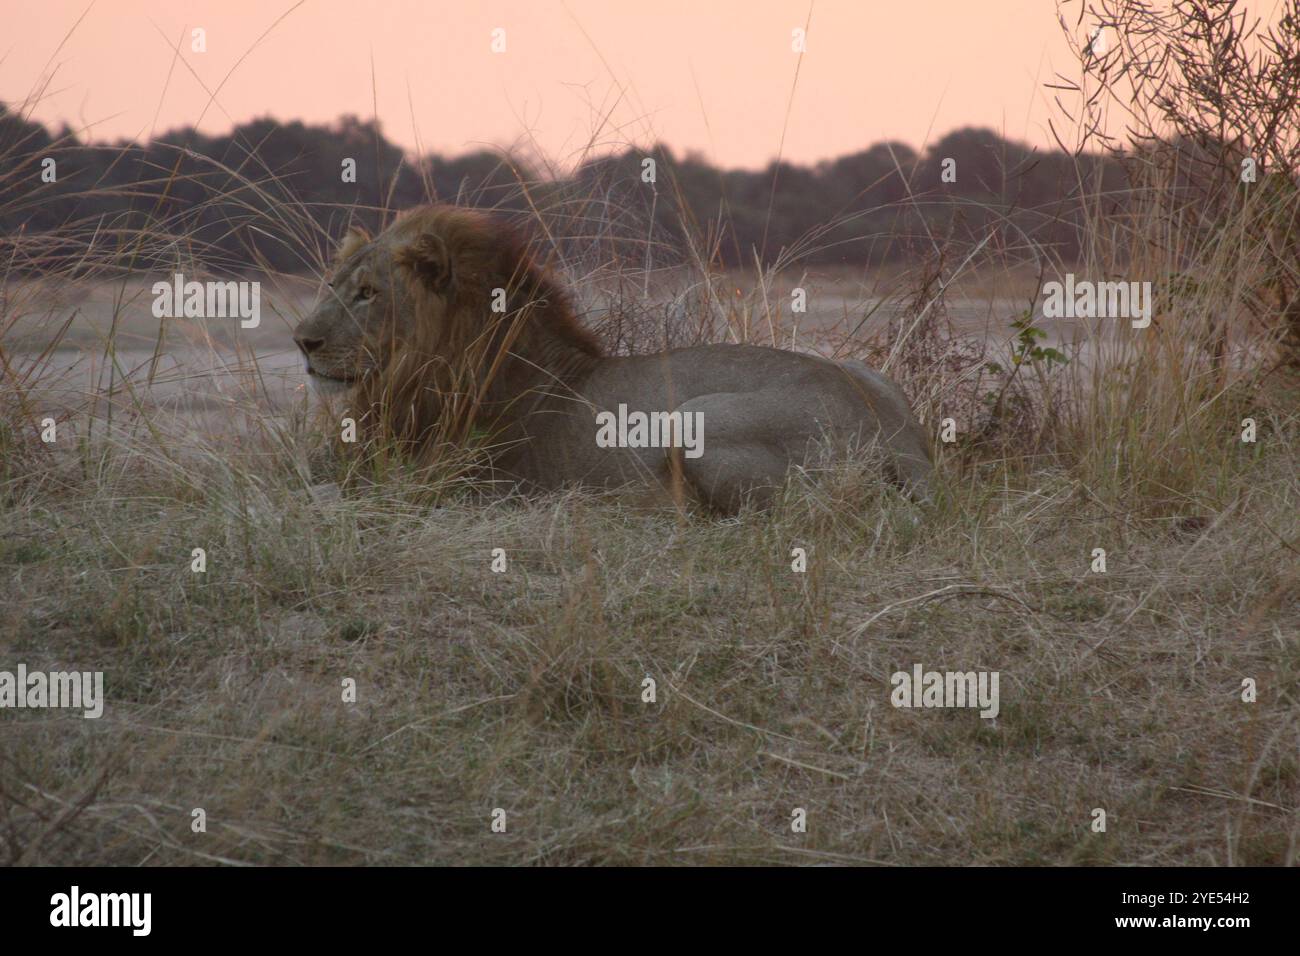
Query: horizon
(676, 152)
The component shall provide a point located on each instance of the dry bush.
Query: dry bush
(1207, 95)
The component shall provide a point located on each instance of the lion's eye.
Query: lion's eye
(366, 292)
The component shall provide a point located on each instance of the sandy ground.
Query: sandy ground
(196, 366)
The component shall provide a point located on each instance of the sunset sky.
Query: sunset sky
(714, 76)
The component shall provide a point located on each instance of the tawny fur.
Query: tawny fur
(442, 328)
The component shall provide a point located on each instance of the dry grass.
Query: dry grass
(523, 690)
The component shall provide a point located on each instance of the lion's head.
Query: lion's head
(444, 306)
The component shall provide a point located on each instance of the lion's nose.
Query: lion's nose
(308, 345)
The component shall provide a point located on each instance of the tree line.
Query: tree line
(273, 194)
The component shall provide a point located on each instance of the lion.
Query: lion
(443, 328)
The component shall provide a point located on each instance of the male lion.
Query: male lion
(443, 329)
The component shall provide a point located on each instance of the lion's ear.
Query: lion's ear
(430, 260)
(354, 240)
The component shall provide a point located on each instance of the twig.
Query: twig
(952, 590)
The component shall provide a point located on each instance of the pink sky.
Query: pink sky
(708, 75)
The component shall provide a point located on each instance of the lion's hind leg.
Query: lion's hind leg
(749, 442)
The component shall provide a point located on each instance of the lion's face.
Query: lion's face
(362, 317)
(429, 304)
